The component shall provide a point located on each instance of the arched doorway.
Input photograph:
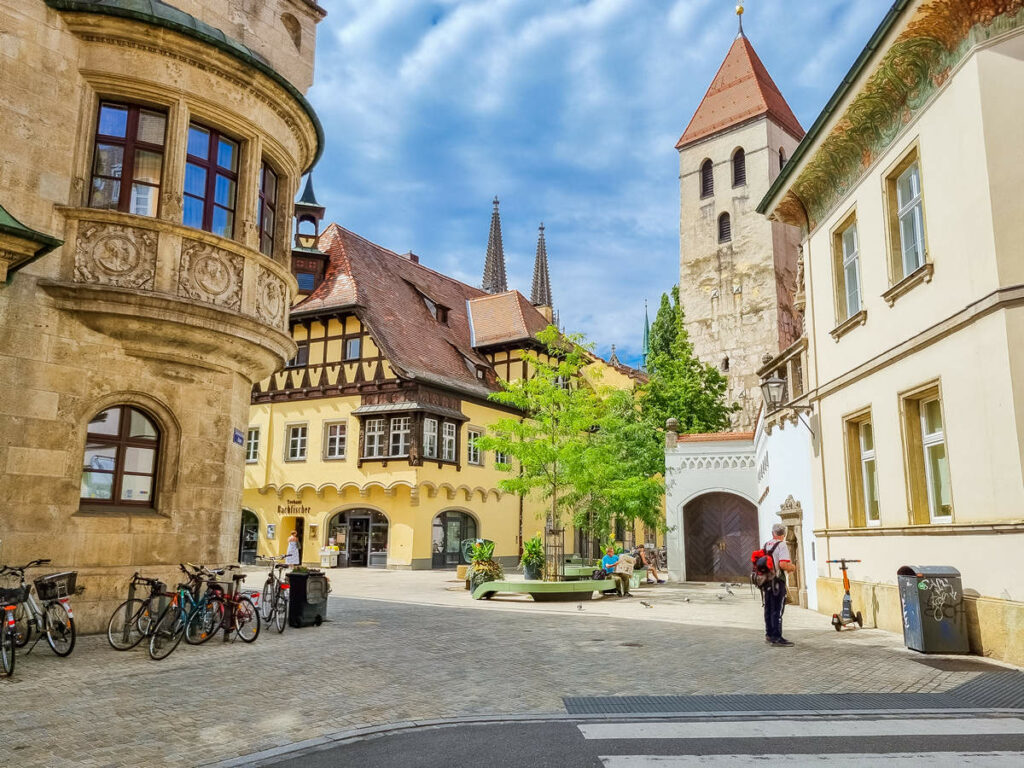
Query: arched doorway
(362, 537)
(450, 529)
(248, 538)
(720, 532)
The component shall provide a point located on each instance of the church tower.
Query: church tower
(737, 271)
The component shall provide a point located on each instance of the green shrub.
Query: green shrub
(533, 553)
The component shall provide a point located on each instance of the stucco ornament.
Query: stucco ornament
(271, 299)
(111, 254)
(210, 275)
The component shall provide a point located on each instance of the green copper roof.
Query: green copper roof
(160, 14)
(308, 198)
(14, 228)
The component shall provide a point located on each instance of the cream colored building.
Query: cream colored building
(149, 157)
(908, 192)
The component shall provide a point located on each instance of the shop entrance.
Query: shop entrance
(248, 538)
(289, 524)
(362, 537)
(449, 531)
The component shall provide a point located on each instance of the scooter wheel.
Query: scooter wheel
(836, 622)
(860, 619)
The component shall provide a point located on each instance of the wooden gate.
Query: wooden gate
(720, 532)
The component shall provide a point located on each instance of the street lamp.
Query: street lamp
(774, 391)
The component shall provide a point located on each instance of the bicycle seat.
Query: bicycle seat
(281, 565)
(238, 577)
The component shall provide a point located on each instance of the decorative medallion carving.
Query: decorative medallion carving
(210, 275)
(271, 298)
(113, 254)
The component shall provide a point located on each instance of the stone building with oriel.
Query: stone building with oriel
(150, 155)
(737, 270)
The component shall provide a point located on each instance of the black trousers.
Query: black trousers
(774, 604)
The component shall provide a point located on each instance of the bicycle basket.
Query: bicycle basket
(56, 585)
(13, 595)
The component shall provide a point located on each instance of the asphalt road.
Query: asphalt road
(921, 741)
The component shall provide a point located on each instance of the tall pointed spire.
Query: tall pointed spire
(614, 359)
(540, 296)
(646, 349)
(494, 266)
(739, 14)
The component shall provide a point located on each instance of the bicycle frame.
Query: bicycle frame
(36, 613)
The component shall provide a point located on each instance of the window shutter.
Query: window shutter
(707, 179)
(724, 228)
(739, 168)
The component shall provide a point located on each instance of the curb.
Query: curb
(353, 735)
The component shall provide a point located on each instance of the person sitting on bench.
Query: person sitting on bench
(621, 580)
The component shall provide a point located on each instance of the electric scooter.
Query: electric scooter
(847, 617)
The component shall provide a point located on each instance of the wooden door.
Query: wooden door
(720, 531)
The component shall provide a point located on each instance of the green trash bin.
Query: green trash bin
(934, 619)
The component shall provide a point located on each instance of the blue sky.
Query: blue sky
(568, 110)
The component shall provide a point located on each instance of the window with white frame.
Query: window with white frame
(851, 269)
(501, 458)
(353, 348)
(448, 442)
(296, 443)
(335, 439)
(906, 217)
(373, 430)
(401, 427)
(869, 476)
(936, 465)
(473, 454)
(430, 438)
(252, 445)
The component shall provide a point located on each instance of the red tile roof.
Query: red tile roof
(715, 437)
(741, 91)
(387, 292)
(503, 318)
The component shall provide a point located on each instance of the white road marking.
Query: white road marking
(861, 760)
(789, 729)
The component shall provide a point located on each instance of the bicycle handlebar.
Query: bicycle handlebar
(20, 569)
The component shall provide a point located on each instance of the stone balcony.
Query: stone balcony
(168, 291)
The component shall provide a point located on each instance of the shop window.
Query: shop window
(861, 471)
(120, 463)
(211, 181)
(473, 453)
(128, 159)
(930, 491)
(430, 438)
(335, 439)
(252, 445)
(295, 444)
(268, 209)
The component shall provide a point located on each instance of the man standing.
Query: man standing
(774, 590)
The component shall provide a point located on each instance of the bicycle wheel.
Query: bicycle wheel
(267, 602)
(7, 651)
(281, 612)
(205, 621)
(247, 620)
(169, 630)
(125, 628)
(60, 628)
(22, 629)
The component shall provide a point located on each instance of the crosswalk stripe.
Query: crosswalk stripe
(782, 729)
(856, 760)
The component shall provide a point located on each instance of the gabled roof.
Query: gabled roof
(503, 318)
(742, 90)
(387, 291)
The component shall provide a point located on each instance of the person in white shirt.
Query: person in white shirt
(774, 590)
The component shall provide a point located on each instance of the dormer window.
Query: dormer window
(437, 311)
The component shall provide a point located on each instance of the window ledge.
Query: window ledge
(922, 274)
(849, 324)
(334, 458)
(295, 461)
(116, 510)
(926, 529)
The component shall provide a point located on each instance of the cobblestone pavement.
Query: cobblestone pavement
(415, 646)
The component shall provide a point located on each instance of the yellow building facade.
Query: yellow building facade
(365, 442)
(907, 193)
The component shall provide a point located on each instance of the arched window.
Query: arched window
(120, 463)
(724, 228)
(739, 168)
(707, 179)
(782, 158)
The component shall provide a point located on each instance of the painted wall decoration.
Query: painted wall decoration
(915, 66)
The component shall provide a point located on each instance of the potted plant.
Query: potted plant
(533, 558)
(484, 567)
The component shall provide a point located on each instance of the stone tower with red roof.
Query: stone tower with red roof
(737, 271)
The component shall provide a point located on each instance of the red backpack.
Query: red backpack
(762, 566)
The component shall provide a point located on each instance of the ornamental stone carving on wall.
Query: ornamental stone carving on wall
(271, 299)
(117, 255)
(210, 275)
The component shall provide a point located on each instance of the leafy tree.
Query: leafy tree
(666, 325)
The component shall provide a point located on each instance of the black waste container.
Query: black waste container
(934, 619)
(307, 602)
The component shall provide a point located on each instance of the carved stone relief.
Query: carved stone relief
(113, 254)
(271, 299)
(210, 275)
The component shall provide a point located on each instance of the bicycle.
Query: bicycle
(9, 599)
(273, 603)
(133, 619)
(55, 618)
(174, 620)
(239, 614)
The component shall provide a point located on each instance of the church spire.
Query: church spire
(646, 349)
(494, 266)
(739, 15)
(540, 296)
(614, 359)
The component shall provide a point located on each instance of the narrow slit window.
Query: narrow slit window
(707, 179)
(724, 228)
(739, 168)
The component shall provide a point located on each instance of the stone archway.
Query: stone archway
(720, 532)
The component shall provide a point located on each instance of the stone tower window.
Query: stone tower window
(291, 25)
(739, 168)
(707, 179)
(120, 460)
(782, 158)
(268, 208)
(724, 228)
(128, 159)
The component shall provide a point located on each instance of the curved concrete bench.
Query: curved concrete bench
(546, 591)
